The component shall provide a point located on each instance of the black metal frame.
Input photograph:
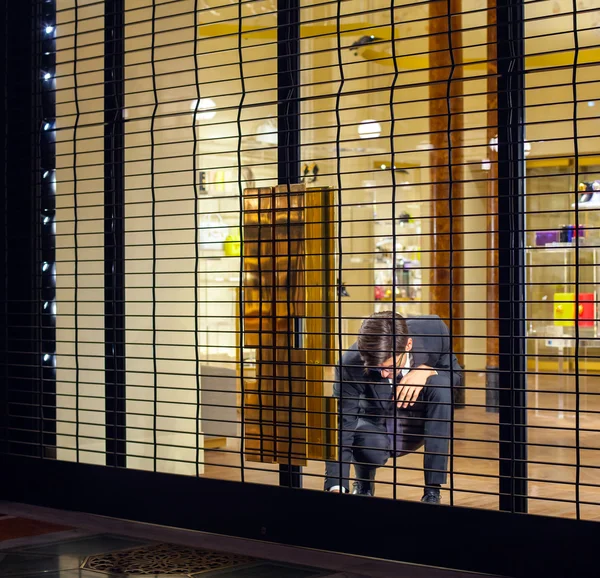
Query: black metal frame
(288, 133)
(492, 542)
(114, 230)
(28, 384)
(511, 255)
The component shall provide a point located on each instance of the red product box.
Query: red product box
(586, 315)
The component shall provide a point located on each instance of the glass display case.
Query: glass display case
(562, 268)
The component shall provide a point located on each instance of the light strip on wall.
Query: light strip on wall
(47, 204)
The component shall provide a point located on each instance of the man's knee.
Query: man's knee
(372, 456)
(439, 389)
(371, 445)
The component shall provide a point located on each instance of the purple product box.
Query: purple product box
(545, 237)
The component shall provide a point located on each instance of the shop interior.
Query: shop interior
(201, 109)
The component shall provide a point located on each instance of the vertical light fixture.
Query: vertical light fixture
(47, 209)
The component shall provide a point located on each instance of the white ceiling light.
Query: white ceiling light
(267, 133)
(369, 129)
(425, 146)
(206, 108)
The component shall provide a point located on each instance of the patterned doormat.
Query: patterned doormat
(164, 559)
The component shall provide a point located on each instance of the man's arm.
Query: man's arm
(411, 385)
(348, 394)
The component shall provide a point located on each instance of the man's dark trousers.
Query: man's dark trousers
(428, 421)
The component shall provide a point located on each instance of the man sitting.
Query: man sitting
(395, 392)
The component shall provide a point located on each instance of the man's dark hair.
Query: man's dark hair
(381, 336)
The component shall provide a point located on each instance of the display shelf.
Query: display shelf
(563, 276)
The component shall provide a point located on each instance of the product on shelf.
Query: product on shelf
(564, 309)
(590, 195)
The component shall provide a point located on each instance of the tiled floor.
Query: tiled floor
(102, 556)
(40, 542)
(13, 527)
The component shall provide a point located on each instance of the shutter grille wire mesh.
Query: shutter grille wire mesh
(401, 180)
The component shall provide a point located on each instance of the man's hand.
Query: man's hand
(411, 385)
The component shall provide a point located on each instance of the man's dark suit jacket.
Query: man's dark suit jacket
(365, 394)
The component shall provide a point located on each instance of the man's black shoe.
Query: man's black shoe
(431, 496)
(365, 483)
(362, 489)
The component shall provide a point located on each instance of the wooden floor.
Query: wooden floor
(552, 442)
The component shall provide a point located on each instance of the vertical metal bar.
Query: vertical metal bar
(339, 239)
(240, 40)
(75, 224)
(454, 14)
(511, 255)
(114, 230)
(44, 272)
(491, 369)
(577, 268)
(153, 191)
(394, 244)
(196, 184)
(288, 141)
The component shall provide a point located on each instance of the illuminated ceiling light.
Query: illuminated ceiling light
(49, 29)
(591, 104)
(47, 76)
(267, 133)
(369, 129)
(383, 167)
(205, 108)
(425, 146)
